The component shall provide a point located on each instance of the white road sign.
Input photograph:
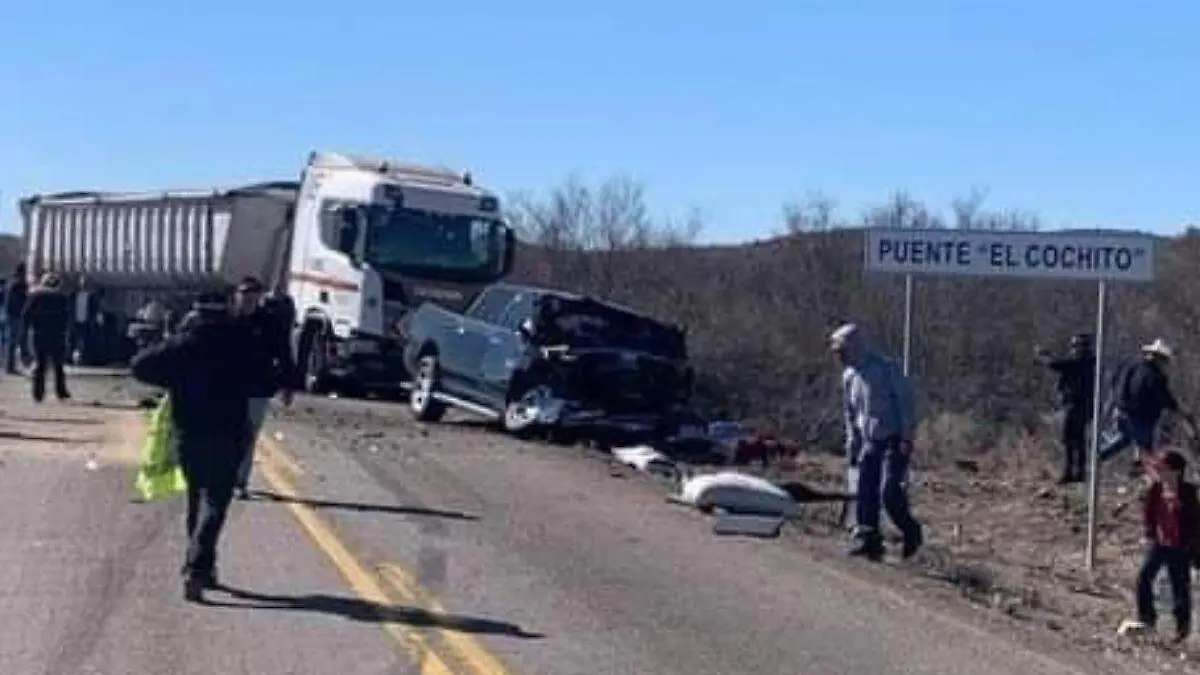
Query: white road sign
(1044, 255)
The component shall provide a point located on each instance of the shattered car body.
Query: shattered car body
(538, 359)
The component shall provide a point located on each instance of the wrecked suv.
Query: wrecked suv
(537, 360)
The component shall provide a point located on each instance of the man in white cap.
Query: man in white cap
(880, 418)
(1142, 394)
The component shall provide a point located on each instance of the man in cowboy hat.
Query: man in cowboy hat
(48, 315)
(880, 418)
(1076, 391)
(1143, 393)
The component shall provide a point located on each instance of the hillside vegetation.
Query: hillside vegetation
(758, 313)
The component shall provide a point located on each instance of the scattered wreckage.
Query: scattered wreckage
(546, 361)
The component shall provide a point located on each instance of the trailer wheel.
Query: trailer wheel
(313, 355)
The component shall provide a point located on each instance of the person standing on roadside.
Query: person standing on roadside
(48, 315)
(16, 291)
(1075, 393)
(209, 371)
(272, 344)
(1171, 532)
(880, 419)
(1143, 393)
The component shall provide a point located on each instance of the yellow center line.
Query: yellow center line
(272, 453)
(470, 650)
(354, 572)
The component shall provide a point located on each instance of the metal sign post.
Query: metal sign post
(908, 312)
(1094, 456)
(1094, 255)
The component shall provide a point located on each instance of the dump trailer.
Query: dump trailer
(356, 242)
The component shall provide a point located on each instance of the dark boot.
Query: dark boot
(913, 541)
(193, 589)
(870, 548)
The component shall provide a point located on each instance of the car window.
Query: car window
(517, 311)
(490, 305)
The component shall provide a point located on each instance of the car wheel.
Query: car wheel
(522, 412)
(421, 400)
(315, 379)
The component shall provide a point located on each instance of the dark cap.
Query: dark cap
(250, 285)
(1174, 460)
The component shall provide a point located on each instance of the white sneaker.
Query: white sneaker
(1132, 628)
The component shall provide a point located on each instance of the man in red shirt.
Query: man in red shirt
(1170, 520)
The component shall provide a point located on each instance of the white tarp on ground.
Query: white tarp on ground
(737, 493)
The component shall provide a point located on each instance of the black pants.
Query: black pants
(1178, 564)
(1074, 440)
(49, 353)
(210, 464)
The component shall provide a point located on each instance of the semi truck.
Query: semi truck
(357, 242)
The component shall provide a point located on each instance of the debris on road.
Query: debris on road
(736, 493)
(645, 459)
(766, 527)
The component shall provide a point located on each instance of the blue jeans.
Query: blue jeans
(1178, 563)
(258, 414)
(882, 472)
(14, 343)
(1124, 431)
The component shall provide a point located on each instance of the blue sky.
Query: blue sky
(1087, 113)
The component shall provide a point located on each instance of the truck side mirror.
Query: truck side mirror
(510, 250)
(526, 330)
(347, 238)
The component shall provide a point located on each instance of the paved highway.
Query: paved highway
(374, 546)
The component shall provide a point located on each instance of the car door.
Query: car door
(462, 351)
(504, 349)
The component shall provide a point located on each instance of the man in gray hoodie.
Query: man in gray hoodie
(880, 417)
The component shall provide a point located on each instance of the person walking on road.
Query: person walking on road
(1076, 393)
(1171, 532)
(16, 291)
(266, 323)
(880, 419)
(48, 315)
(208, 371)
(1142, 394)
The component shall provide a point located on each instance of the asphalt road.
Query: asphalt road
(376, 546)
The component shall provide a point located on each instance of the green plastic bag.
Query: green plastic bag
(159, 475)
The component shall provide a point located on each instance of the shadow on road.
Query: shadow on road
(22, 436)
(366, 508)
(357, 609)
(54, 420)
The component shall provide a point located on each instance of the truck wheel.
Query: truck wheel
(421, 401)
(314, 355)
(521, 413)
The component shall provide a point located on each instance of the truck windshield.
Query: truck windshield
(436, 246)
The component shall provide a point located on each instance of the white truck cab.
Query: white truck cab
(373, 239)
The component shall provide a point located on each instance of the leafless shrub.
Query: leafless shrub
(758, 313)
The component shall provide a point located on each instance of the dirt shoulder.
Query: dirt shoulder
(1006, 545)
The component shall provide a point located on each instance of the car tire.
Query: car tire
(520, 418)
(314, 360)
(421, 399)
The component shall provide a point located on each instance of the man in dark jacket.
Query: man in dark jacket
(1143, 393)
(1076, 392)
(269, 325)
(208, 371)
(16, 291)
(48, 315)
